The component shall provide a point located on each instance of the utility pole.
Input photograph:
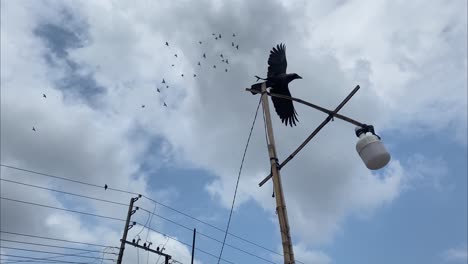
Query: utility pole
(280, 203)
(127, 227)
(193, 244)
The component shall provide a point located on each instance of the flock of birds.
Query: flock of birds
(223, 61)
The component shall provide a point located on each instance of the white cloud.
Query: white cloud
(396, 52)
(456, 255)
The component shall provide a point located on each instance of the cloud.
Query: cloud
(456, 255)
(206, 122)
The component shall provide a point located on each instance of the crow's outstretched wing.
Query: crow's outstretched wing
(277, 61)
(284, 108)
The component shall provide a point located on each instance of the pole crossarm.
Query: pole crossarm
(326, 111)
(149, 249)
(331, 114)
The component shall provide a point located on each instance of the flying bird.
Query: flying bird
(157, 89)
(163, 81)
(237, 46)
(194, 75)
(199, 64)
(43, 95)
(182, 75)
(216, 38)
(105, 186)
(219, 36)
(167, 44)
(172, 65)
(34, 129)
(142, 106)
(165, 104)
(221, 55)
(167, 86)
(214, 66)
(232, 44)
(204, 55)
(233, 35)
(278, 80)
(222, 60)
(200, 42)
(226, 70)
(227, 62)
(175, 55)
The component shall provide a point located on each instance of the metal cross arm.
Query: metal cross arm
(330, 116)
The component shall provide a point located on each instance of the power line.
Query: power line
(187, 244)
(56, 239)
(45, 245)
(63, 209)
(69, 193)
(150, 199)
(50, 252)
(24, 257)
(49, 259)
(238, 178)
(207, 236)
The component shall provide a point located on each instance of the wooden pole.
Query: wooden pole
(280, 203)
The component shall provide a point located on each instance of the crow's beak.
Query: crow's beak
(299, 77)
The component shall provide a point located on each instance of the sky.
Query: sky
(99, 62)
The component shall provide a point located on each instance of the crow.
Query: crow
(163, 81)
(232, 44)
(216, 38)
(233, 35)
(221, 55)
(214, 66)
(43, 95)
(219, 36)
(172, 65)
(165, 104)
(222, 60)
(227, 62)
(167, 86)
(167, 44)
(182, 75)
(105, 186)
(194, 75)
(34, 129)
(157, 89)
(204, 55)
(200, 42)
(142, 106)
(175, 55)
(237, 46)
(199, 64)
(278, 80)
(226, 70)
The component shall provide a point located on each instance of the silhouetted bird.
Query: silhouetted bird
(214, 66)
(165, 104)
(237, 46)
(157, 89)
(232, 44)
(105, 187)
(167, 44)
(278, 80)
(133, 241)
(182, 75)
(221, 55)
(216, 38)
(204, 55)
(172, 65)
(199, 64)
(222, 60)
(175, 55)
(227, 62)
(43, 95)
(226, 70)
(194, 75)
(213, 34)
(233, 35)
(144, 244)
(219, 36)
(157, 249)
(167, 86)
(200, 42)
(34, 129)
(163, 81)
(142, 106)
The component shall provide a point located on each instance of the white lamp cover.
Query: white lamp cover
(372, 151)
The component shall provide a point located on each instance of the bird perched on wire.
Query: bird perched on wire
(105, 187)
(278, 80)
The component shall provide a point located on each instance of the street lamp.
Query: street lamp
(370, 148)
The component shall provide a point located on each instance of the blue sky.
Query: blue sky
(99, 62)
